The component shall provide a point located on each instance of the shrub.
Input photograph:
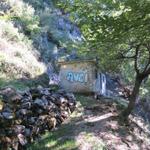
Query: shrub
(23, 15)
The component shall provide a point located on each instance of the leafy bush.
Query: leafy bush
(23, 15)
(9, 32)
(40, 4)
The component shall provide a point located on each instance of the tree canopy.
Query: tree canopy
(117, 31)
(113, 28)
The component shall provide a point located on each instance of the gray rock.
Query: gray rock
(8, 115)
(39, 110)
(26, 105)
(27, 132)
(19, 129)
(39, 103)
(22, 139)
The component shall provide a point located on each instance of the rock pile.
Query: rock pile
(24, 116)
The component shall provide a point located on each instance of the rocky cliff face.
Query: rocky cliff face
(58, 33)
(32, 34)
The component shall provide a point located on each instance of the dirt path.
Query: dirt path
(94, 126)
(97, 127)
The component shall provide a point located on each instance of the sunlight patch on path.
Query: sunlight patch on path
(88, 141)
(99, 118)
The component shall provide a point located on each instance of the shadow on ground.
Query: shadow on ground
(94, 126)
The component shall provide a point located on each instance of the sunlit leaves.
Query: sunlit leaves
(111, 27)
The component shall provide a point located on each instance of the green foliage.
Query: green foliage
(60, 37)
(118, 32)
(146, 88)
(9, 32)
(39, 4)
(17, 85)
(22, 14)
(128, 72)
(113, 29)
(56, 140)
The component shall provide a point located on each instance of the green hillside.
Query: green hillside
(32, 34)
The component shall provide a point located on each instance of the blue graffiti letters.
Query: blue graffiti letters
(70, 77)
(77, 77)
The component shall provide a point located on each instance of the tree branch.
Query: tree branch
(136, 59)
(147, 73)
(126, 57)
(148, 64)
(122, 55)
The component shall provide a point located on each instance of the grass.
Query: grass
(22, 84)
(61, 139)
(15, 83)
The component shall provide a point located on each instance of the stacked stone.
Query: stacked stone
(24, 116)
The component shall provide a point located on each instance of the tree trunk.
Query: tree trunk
(132, 98)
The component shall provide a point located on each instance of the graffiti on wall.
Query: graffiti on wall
(77, 77)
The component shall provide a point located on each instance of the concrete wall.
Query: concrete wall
(78, 76)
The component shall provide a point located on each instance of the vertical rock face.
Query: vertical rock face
(71, 30)
(57, 33)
